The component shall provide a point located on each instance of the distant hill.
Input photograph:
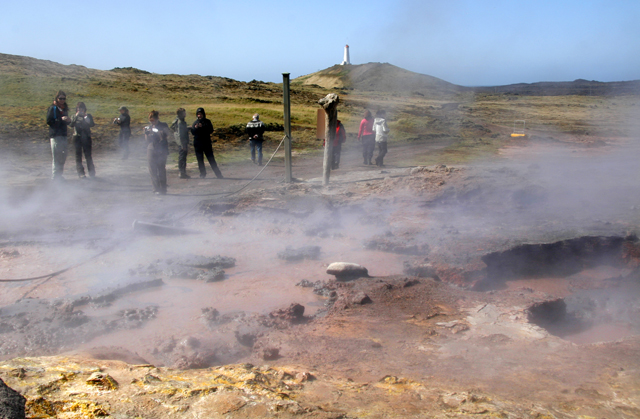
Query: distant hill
(18, 64)
(383, 77)
(578, 87)
(378, 77)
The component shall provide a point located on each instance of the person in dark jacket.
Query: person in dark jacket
(57, 119)
(201, 131)
(341, 137)
(157, 134)
(82, 123)
(124, 121)
(255, 130)
(181, 136)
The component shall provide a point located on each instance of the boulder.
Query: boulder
(361, 298)
(420, 269)
(345, 270)
(294, 313)
(12, 403)
(212, 275)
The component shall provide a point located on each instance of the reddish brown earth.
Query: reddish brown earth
(458, 341)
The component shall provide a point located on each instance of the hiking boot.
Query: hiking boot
(184, 176)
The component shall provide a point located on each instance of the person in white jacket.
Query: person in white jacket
(381, 129)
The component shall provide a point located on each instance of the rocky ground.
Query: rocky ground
(505, 288)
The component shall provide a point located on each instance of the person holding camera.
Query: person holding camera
(82, 123)
(157, 134)
(124, 121)
(201, 131)
(57, 119)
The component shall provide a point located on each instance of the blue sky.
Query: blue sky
(467, 42)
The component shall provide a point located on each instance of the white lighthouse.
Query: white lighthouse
(346, 60)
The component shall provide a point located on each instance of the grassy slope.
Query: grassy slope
(420, 108)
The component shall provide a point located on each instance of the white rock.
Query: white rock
(346, 269)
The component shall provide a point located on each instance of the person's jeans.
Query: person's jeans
(182, 158)
(368, 145)
(382, 151)
(203, 150)
(84, 144)
(256, 145)
(59, 153)
(157, 160)
(123, 142)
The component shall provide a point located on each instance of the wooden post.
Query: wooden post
(330, 105)
(287, 129)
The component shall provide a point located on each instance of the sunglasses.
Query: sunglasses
(62, 98)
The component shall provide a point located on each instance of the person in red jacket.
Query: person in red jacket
(367, 137)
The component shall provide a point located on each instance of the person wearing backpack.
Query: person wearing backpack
(58, 119)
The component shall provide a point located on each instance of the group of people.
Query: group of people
(156, 134)
(58, 119)
(372, 131)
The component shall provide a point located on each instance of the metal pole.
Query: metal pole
(287, 129)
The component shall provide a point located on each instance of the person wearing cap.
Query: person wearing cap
(82, 123)
(58, 119)
(201, 130)
(124, 121)
(255, 130)
(181, 136)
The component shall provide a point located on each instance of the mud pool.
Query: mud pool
(489, 290)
